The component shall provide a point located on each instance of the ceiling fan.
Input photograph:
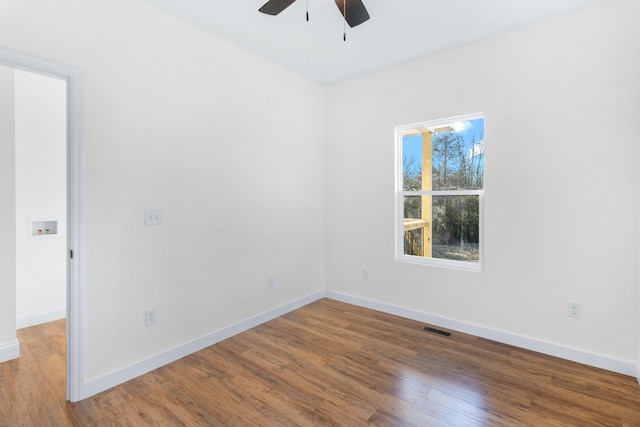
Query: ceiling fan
(353, 11)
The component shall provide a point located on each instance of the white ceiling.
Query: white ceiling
(399, 30)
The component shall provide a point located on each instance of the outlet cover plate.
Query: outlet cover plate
(150, 316)
(153, 216)
(574, 309)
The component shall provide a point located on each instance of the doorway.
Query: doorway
(72, 236)
(40, 197)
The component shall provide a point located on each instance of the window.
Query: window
(439, 192)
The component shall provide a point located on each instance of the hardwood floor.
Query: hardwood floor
(328, 363)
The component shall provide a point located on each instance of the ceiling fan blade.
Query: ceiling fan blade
(356, 12)
(274, 7)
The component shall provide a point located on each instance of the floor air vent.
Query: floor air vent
(437, 331)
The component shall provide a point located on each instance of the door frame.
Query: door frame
(75, 250)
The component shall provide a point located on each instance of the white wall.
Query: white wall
(562, 101)
(228, 145)
(232, 149)
(40, 194)
(8, 343)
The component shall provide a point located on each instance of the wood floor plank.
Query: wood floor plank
(326, 364)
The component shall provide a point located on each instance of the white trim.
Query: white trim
(442, 193)
(120, 376)
(440, 262)
(581, 356)
(75, 236)
(440, 122)
(41, 316)
(73, 77)
(9, 351)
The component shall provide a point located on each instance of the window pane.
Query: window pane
(458, 156)
(450, 228)
(449, 157)
(414, 225)
(456, 228)
(412, 163)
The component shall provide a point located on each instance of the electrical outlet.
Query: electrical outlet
(575, 309)
(364, 274)
(153, 217)
(271, 282)
(150, 316)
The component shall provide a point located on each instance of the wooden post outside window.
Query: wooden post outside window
(426, 186)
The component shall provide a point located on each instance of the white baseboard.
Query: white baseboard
(587, 358)
(120, 376)
(42, 316)
(9, 351)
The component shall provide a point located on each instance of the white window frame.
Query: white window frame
(401, 194)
